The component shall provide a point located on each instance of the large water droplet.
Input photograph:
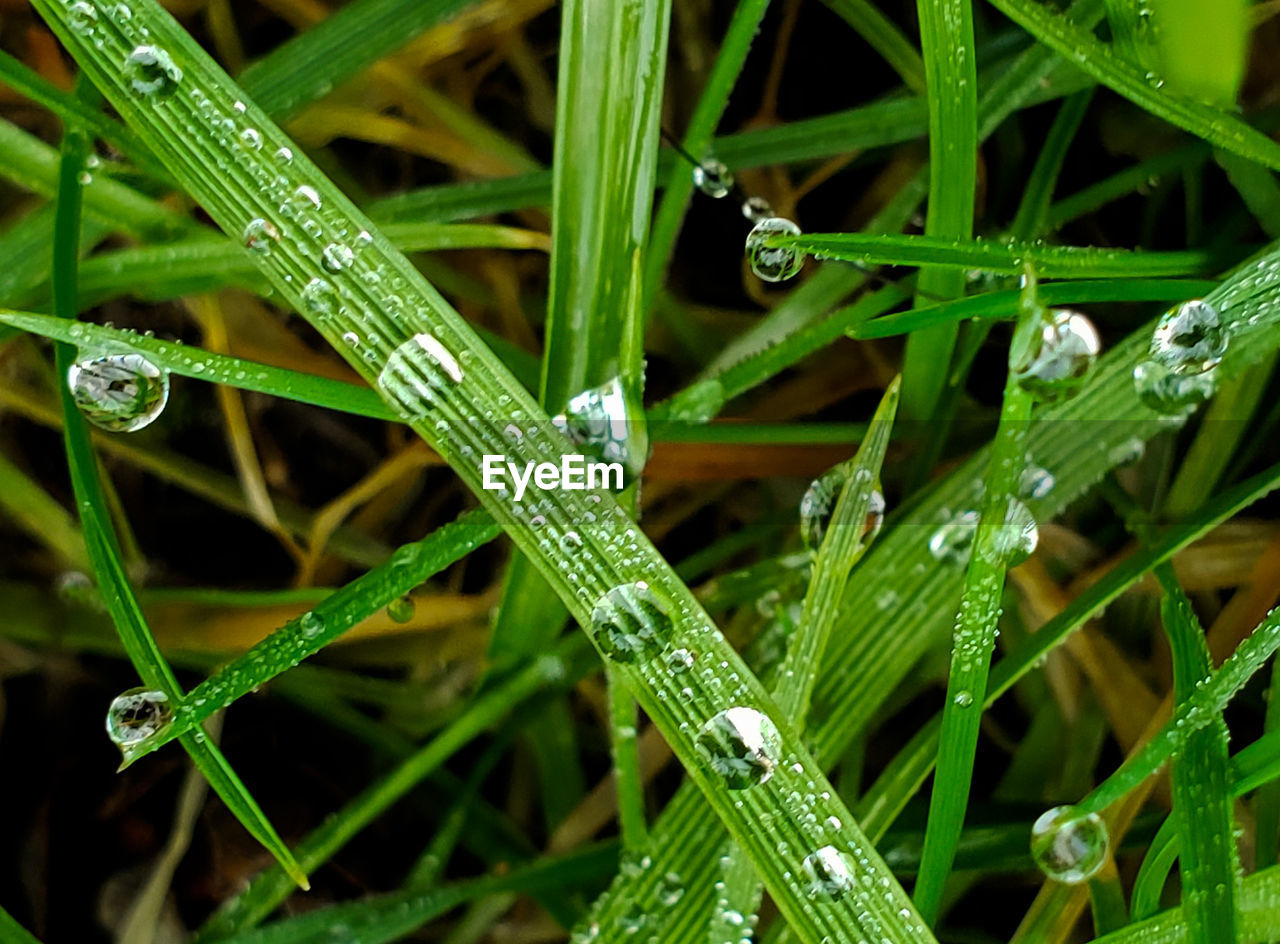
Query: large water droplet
(137, 715)
(742, 745)
(1068, 846)
(1017, 536)
(1168, 392)
(1035, 482)
(773, 264)
(1189, 338)
(954, 540)
(818, 504)
(260, 236)
(829, 873)
(604, 422)
(630, 620)
(713, 178)
(417, 371)
(151, 71)
(119, 392)
(1068, 346)
(82, 17)
(320, 298)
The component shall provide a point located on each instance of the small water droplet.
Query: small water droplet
(151, 71)
(303, 200)
(260, 236)
(119, 392)
(1035, 482)
(337, 257)
(138, 715)
(1068, 346)
(320, 298)
(251, 138)
(713, 178)
(829, 873)
(311, 624)
(773, 264)
(1016, 538)
(742, 745)
(963, 699)
(756, 209)
(954, 540)
(416, 371)
(284, 155)
(401, 609)
(1068, 846)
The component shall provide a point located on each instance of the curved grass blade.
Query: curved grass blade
(310, 632)
(1050, 262)
(100, 538)
(885, 38)
(413, 345)
(1201, 798)
(1215, 125)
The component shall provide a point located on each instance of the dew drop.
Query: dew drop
(604, 421)
(260, 236)
(742, 746)
(1035, 483)
(630, 620)
(82, 17)
(138, 715)
(713, 178)
(954, 540)
(311, 624)
(284, 155)
(251, 138)
(401, 609)
(151, 71)
(829, 873)
(119, 392)
(1016, 538)
(1068, 846)
(1169, 392)
(320, 298)
(303, 200)
(416, 371)
(756, 209)
(818, 504)
(963, 699)
(773, 263)
(337, 257)
(1069, 344)
(1189, 338)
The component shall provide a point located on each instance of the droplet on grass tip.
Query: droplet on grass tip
(630, 621)
(1068, 846)
(742, 746)
(773, 263)
(138, 715)
(121, 393)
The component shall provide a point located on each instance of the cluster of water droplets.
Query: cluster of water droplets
(120, 392)
(1061, 357)
(818, 504)
(1178, 373)
(138, 715)
(1069, 846)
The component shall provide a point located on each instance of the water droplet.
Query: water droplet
(773, 264)
(320, 298)
(401, 610)
(963, 699)
(311, 624)
(1016, 538)
(416, 371)
(82, 17)
(742, 745)
(1035, 482)
(260, 236)
(679, 661)
(337, 257)
(604, 421)
(284, 155)
(1068, 346)
(756, 209)
(251, 138)
(1189, 338)
(629, 620)
(1169, 392)
(670, 890)
(829, 873)
(1069, 847)
(954, 540)
(818, 504)
(151, 71)
(713, 178)
(137, 715)
(119, 392)
(303, 200)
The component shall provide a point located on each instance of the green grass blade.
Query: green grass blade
(1201, 50)
(1033, 210)
(310, 632)
(14, 933)
(1259, 916)
(946, 41)
(976, 627)
(200, 364)
(1051, 262)
(103, 549)
(470, 385)
(885, 38)
(1201, 797)
(1215, 125)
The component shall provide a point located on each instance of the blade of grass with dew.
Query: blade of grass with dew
(906, 773)
(1259, 916)
(310, 632)
(883, 35)
(100, 538)
(844, 542)
(1004, 304)
(697, 139)
(946, 42)
(559, 667)
(1215, 125)
(1051, 262)
(977, 621)
(415, 345)
(1201, 800)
